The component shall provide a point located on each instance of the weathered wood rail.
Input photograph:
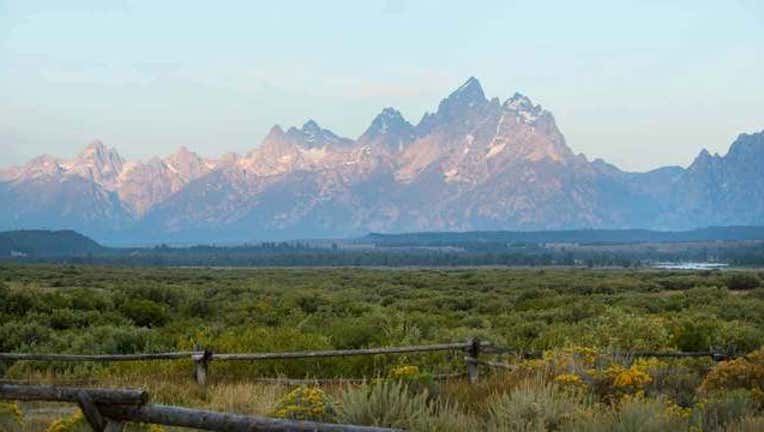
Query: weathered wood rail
(107, 410)
(716, 355)
(97, 357)
(472, 348)
(202, 359)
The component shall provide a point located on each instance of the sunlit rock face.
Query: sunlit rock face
(473, 163)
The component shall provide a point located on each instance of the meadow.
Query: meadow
(576, 317)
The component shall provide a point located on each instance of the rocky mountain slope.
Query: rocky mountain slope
(473, 164)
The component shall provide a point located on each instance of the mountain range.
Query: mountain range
(473, 164)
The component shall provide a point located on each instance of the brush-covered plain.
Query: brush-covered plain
(577, 317)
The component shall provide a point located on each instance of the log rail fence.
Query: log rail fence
(108, 410)
(472, 349)
(203, 359)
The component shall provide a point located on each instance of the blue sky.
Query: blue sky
(641, 84)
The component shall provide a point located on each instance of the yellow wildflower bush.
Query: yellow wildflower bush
(572, 360)
(74, 423)
(632, 378)
(569, 358)
(405, 372)
(306, 403)
(11, 417)
(416, 379)
(570, 381)
(77, 423)
(674, 410)
(740, 373)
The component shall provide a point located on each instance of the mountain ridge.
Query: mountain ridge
(473, 164)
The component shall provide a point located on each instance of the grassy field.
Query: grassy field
(576, 316)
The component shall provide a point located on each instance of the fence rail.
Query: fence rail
(109, 410)
(98, 357)
(472, 349)
(202, 359)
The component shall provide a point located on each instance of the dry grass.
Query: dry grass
(245, 398)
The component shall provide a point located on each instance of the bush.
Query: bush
(77, 423)
(647, 415)
(449, 417)
(533, 406)
(743, 281)
(4, 292)
(385, 404)
(74, 423)
(415, 379)
(748, 424)
(11, 417)
(15, 335)
(19, 303)
(740, 373)
(145, 313)
(306, 403)
(724, 409)
(696, 333)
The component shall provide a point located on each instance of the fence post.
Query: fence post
(472, 356)
(90, 411)
(201, 362)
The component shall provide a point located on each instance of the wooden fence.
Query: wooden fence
(107, 410)
(202, 359)
(472, 349)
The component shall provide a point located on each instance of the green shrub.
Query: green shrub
(533, 406)
(145, 313)
(743, 281)
(306, 403)
(4, 292)
(748, 424)
(385, 404)
(11, 417)
(19, 303)
(15, 335)
(646, 415)
(723, 409)
(696, 333)
(450, 417)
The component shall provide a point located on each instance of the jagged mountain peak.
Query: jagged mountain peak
(43, 165)
(311, 135)
(470, 93)
(277, 138)
(473, 164)
(95, 146)
(276, 131)
(519, 101)
(187, 164)
(747, 144)
(388, 129)
(458, 109)
(98, 163)
(98, 150)
(311, 126)
(524, 108)
(470, 88)
(391, 113)
(388, 119)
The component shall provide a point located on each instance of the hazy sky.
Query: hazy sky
(641, 84)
